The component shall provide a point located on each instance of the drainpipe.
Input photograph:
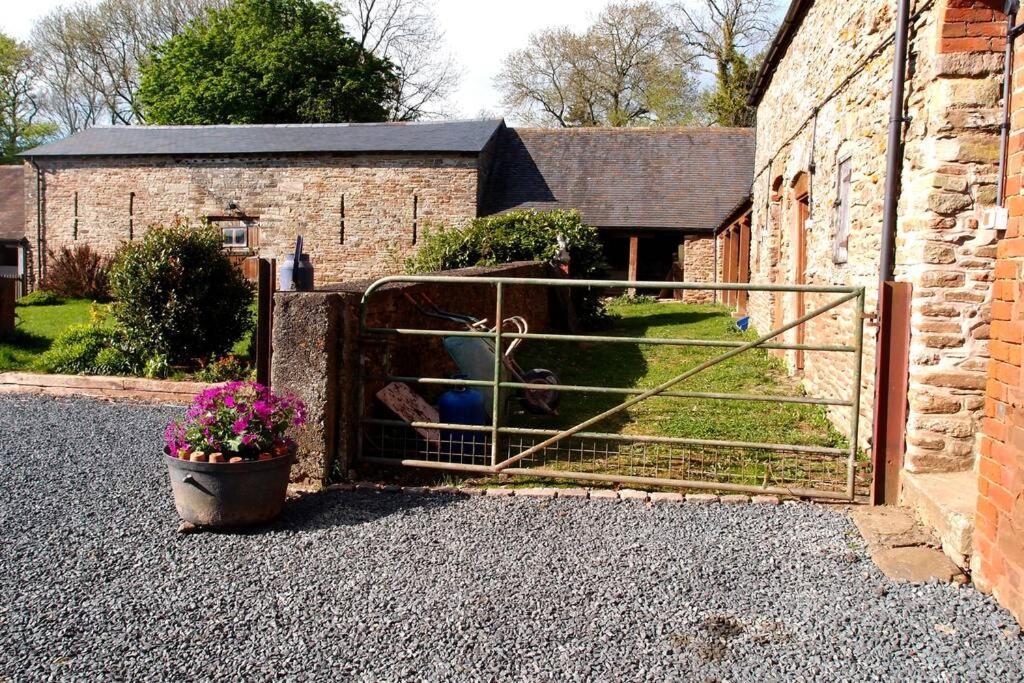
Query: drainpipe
(894, 154)
(39, 217)
(1012, 31)
(888, 439)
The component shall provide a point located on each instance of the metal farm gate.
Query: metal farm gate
(580, 451)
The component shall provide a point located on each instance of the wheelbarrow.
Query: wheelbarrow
(474, 357)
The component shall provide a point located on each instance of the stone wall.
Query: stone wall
(317, 352)
(698, 266)
(829, 101)
(118, 198)
(998, 563)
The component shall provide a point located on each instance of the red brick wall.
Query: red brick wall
(999, 532)
(973, 26)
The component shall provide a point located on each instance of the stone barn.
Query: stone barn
(362, 194)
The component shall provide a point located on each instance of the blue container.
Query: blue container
(289, 278)
(465, 406)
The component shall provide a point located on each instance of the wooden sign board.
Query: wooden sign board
(412, 408)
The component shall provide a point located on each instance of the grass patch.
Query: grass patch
(37, 326)
(643, 366)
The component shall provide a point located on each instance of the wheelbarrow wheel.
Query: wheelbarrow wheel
(540, 401)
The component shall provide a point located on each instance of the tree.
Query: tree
(406, 33)
(266, 61)
(90, 56)
(729, 34)
(726, 103)
(629, 68)
(19, 106)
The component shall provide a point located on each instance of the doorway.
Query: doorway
(802, 212)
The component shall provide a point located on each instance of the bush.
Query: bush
(90, 349)
(517, 236)
(176, 293)
(40, 297)
(226, 369)
(77, 273)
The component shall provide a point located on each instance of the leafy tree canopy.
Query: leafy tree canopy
(266, 61)
(19, 129)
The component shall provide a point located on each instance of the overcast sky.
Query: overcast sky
(479, 33)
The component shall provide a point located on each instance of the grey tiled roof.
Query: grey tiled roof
(443, 136)
(12, 202)
(656, 178)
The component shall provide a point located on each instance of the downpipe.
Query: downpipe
(1012, 32)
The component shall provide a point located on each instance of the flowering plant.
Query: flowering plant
(243, 419)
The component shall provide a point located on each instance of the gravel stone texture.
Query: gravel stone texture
(95, 584)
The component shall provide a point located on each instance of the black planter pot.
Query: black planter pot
(229, 494)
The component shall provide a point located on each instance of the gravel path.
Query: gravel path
(95, 583)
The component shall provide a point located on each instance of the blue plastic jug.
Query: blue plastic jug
(465, 406)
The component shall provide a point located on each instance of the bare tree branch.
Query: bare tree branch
(407, 33)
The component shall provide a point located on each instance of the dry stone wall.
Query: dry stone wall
(357, 213)
(829, 101)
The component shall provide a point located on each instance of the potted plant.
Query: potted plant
(229, 458)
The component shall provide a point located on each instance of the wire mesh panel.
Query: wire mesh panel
(641, 440)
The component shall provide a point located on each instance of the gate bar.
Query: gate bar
(679, 378)
(674, 440)
(618, 390)
(664, 341)
(605, 284)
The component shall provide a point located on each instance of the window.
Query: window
(844, 176)
(235, 238)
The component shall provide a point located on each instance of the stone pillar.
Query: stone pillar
(307, 341)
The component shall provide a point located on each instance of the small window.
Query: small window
(235, 238)
(843, 180)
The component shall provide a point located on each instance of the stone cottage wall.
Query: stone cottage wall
(828, 101)
(371, 236)
(698, 266)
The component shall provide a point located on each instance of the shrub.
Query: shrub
(225, 369)
(177, 293)
(90, 349)
(517, 236)
(40, 297)
(78, 272)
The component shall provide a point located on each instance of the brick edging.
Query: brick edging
(98, 386)
(654, 498)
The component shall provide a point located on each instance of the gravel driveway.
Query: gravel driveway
(96, 584)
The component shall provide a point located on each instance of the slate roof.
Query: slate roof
(445, 136)
(657, 178)
(12, 202)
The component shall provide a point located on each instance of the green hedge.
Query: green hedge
(517, 236)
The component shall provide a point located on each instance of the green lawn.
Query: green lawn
(644, 366)
(36, 328)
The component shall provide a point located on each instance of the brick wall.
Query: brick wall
(999, 532)
(828, 101)
(288, 194)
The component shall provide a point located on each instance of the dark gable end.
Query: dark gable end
(641, 178)
(12, 202)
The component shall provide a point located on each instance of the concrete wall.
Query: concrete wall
(288, 194)
(829, 100)
(317, 353)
